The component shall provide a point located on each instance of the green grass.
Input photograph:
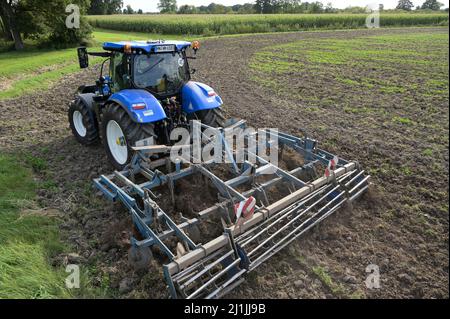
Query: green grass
(25, 273)
(428, 152)
(37, 163)
(403, 120)
(39, 82)
(237, 24)
(32, 70)
(326, 279)
(27, 241)
(30, 238)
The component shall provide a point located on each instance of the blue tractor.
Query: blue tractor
(147, 93)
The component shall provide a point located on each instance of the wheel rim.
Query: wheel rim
(116, 142)
(78, 123)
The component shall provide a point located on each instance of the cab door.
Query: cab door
(120, 72)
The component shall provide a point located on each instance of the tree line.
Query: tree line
(260, 6)
(427, 5)
(106, 7)
(281, 6)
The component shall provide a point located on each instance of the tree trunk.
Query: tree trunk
(5, 29)
(7, 16)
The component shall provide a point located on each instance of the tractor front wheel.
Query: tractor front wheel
(82, 122)
(120, 133)
(212, 117)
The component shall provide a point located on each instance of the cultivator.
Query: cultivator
(261, 208)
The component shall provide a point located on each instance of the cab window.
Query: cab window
(162, 73)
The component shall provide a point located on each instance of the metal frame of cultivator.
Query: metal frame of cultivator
(212, 269)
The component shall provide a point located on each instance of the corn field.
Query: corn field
(235, 24)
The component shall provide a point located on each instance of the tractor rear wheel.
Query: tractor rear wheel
(212, 117)
(120, 133)
(82, 122)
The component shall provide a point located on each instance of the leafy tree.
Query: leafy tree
(236, 7)
(167, 6)
(202, 9)
(128, 10)
(246, 8)
(315, 7)
(105, 6)
(54, 19)
(44, 21)
(187, 9)
(405, 5)
(97, 7)
(329, 8)
(114, 6)
(8, 17)
(355, 9)
(140, 11)
(4, 32)
(432, 5)
(263, 6)
(218, 9)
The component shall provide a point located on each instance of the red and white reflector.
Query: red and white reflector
(331, 166)
(244, 210)
(139, 106)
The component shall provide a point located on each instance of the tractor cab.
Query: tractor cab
(146, 93)
(157, 66)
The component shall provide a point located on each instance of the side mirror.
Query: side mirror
(83, 58)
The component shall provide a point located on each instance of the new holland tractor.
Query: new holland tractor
(261, 207)
(147, 93)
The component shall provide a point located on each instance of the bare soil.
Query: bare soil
(411, 248)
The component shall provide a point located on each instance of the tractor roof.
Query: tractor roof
(147, 46)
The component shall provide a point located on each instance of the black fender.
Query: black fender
(87, 89)
(88, 100)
